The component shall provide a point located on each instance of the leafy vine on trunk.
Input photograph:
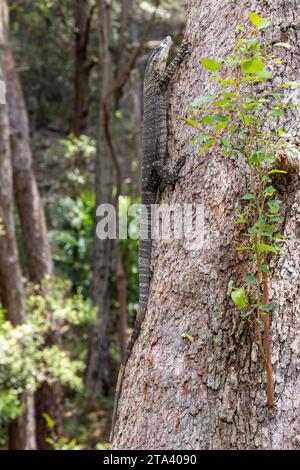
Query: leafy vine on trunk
(242, 119)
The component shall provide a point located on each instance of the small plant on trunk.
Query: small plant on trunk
(242, 119)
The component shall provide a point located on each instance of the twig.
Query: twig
(121, 79)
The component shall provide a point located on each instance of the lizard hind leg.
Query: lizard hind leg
(169, 175)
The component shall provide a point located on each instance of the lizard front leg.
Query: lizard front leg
(166, 174)
(184, 51)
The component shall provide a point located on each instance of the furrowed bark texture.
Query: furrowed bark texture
(211, 393)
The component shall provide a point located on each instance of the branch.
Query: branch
(86, 34)
(109, 140)
(121, 79)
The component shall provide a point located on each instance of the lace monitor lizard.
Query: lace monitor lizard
(155, 174)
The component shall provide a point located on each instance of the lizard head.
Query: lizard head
(158, 59)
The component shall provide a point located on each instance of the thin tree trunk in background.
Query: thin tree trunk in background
(34, 234)
(48, 398)
(210, 393)
(83, 66)
(12, 291)
(99, 370)
(30, 209)
(22, 430)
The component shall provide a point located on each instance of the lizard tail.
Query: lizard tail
(144, 282)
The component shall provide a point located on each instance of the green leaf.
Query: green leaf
(274, 206)
(282, 133)
(49, 421)
(248, 196)
(260, 23)
(209, 144)
(221, 103)
(291, 85)
(202, 138)
(262, 247)
(278, 236)
(277, 96)
(253, 229)
(246, 314)
(211, 65)
(192, 122)
(286, 45)
(275, 218)
(255, 18)
(247, 78)
(277, 112)
(264, 74)
(265, 268)
(252, 66)
(220, 126)
(267, 307)
(250, 105)
(250, 280)
(226, 142)
(187, 336)
(271, 172)
(269, 191)
(265, 24)
(267, 230)
(229, 95)
(241, 218)
(239, 298)
(202, 99)
(257, 157)
(211, 118)
(244, 248)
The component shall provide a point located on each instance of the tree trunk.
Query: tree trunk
(210, 393)
(31, 213)
(99, 366)
(12, 292)
(33, 225)
(34, 234)
(83, 66)
(22, 431)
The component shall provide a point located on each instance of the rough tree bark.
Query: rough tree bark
(210, 393)
(22, 430)
(33, 225)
